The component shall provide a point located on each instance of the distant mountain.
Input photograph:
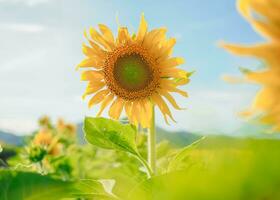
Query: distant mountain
(176, 138)
(80, 134)
(10, 138)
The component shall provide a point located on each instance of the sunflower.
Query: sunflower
(44, 138)
(44, 121)
(132, 72)
(265, 18)
(66, 128)
(60, 125)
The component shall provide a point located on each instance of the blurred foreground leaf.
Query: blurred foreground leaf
(15, 185)
(110, 134)
(179, 161)
(220, 168)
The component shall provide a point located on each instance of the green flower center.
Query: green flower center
(132, 72)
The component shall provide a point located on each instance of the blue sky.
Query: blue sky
(41, 45)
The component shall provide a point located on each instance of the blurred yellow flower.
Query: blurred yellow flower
(132, 72)
(45, 138)
(44, 121)
(64, 128)
(71, 129)
(264, 16)
(60, 125)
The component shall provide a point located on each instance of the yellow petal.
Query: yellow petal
(92, 88)
(166, 49)
(268, 30)
(143, 28)
(181, 92)
(116, 108)
(264, 99)
(93, 51)
(157, 99)
(182, 81)
(100, 40)
(268, 77)
(98, 50)
(171, 86)
(107, 33)
(135, 112)
(268, 119)
(145, 113)
(269, 52)
(170, 99)
(269, 9)
(95, 47)
(148, 109)
(233, 79)
(123, 36)
(128, 107)
(92, 75)
(173, 73)
(97, 98)
(90, 62)
(87, 50)
(171, 62)
(246, 113)
(243, 6)
(108, 99)
(159, 36)
(153, 39)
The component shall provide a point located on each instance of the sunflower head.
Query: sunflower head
(37, 153)
(132, 72)
(264, 16)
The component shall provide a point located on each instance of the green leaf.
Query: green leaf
(92, 189)
(179, 160)
(110, 134)
(233, 168)
(16, 185)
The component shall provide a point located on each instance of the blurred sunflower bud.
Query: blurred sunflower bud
(60, 125)
(37, 153)
(44, 138)
(71, 129)
(44, 121)
(66, 129)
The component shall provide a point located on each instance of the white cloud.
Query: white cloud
(28, 28)
(26, 2)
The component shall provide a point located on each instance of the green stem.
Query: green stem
(41, 168)
(152, 143)
(142, 160)
(145, 164)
